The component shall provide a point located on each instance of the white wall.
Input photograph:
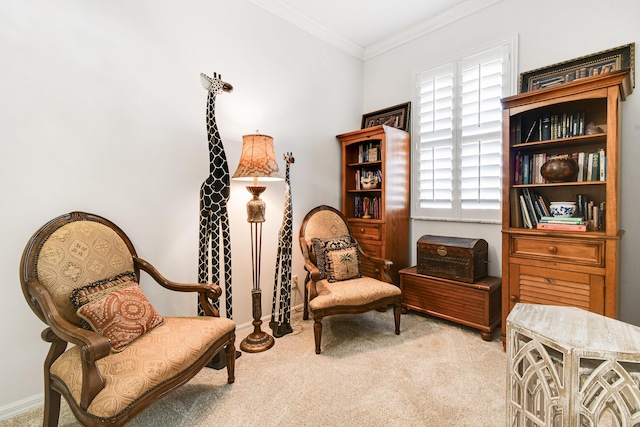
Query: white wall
(102, 110)
(549, 32)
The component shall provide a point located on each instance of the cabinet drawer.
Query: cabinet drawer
(366, 231)
(589, 252)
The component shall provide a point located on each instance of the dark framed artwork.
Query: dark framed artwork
(616, 59)
(396, 116)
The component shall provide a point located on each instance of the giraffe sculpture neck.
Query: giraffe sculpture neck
(217, 157)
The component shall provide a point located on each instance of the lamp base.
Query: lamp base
(257, 341)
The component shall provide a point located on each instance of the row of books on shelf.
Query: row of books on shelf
(367, 207)
(365, 173)
(555, 126)
(591, 167)
(535, 214)
(369, 152)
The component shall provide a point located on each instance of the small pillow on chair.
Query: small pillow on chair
(122, 316)
(321, 246)
(96, 290)
(343, 264)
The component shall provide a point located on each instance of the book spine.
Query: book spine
(561, 220)
(595, 169)
(530, 209)
(525, 169)
(561, 227)
(580, 166)
(525, 213)
(546, 128)
(543, 205)
(530, 133)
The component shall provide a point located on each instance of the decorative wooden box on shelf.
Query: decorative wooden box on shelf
(476, 305)
(576, 266)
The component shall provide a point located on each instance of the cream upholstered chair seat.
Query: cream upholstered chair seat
(80, 274)
(335, 283)
(157, 357)
(353, 292)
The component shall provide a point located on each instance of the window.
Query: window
(458, 137)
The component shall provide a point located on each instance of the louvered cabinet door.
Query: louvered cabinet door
(562, 285)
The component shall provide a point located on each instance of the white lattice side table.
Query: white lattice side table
(570, 367)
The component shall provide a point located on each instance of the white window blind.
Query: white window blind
(459, 149)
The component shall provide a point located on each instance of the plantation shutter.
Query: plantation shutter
(436, 139)
(460, 146)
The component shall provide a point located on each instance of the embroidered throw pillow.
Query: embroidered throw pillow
(121, 315)
(96, 290)
(343, 264)
(321, 246)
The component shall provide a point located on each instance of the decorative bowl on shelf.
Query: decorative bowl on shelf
(562, 209)
(560, 169)
(369, 183)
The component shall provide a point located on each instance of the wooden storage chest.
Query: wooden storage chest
(454, 258)
(472, 304)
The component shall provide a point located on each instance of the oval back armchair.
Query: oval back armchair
(334, 282)
(80, 275)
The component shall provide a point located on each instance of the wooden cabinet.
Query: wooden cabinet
(559, 267)
(375, 193)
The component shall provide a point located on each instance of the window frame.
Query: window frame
(510, 79)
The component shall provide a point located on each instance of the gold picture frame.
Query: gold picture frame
(397, 116)
(616, 59)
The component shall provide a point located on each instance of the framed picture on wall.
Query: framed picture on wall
(396, 116)
(616, 59)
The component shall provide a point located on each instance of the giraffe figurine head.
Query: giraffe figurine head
(215, 85)
(288, 158)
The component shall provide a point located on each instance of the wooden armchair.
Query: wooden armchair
(79, 273)
(335, 284)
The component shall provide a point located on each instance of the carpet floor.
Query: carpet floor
(435, 373)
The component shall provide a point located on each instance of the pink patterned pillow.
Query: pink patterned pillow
(122, 316)
(97, 290)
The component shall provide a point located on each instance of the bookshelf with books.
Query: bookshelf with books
(553, 260)
(376, 161)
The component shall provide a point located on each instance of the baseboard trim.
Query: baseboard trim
(21, 406)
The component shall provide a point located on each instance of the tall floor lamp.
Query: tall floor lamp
(257, 161)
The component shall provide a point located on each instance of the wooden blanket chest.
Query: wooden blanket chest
(454, 258)
(476, 305)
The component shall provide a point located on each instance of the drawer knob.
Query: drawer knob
(362, 230)
(552, 249)
(514, 299)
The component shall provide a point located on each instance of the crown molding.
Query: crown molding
(286, 12)
(295, 17)
(449, 16)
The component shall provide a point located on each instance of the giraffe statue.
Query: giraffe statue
(214, 194)
(281, 313)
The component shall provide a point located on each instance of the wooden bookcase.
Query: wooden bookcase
(381, 151)
(569, 268)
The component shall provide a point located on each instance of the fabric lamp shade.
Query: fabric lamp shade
(257, 160)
